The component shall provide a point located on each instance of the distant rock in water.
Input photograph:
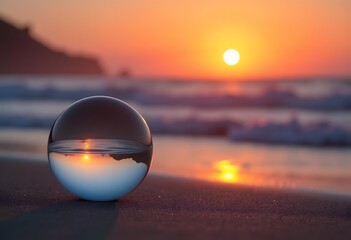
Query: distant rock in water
(22, 54)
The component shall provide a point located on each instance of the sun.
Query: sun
(231, 57)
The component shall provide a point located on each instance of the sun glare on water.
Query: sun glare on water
(231, 57)
(225, 171)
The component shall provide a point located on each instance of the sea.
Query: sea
(291, 134)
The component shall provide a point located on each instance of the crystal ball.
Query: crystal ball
(100, 148)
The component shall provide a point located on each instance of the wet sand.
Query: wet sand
(33, 205)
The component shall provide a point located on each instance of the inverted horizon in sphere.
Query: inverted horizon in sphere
(97, 177)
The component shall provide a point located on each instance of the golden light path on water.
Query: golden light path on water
(225, 171)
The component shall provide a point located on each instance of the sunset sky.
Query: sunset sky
(187, 39)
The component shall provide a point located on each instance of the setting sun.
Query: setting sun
(231, 57)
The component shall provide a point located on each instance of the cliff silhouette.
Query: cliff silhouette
(20, 53)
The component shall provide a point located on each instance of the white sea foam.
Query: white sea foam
(318, 134)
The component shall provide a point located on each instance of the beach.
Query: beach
(33, 205)
(238, 160)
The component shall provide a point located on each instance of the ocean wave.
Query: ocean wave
(289, 133)
(293, 133)
(192, 126)
(269, 98)
(17, 91)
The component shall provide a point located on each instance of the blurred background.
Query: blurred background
(276, 113)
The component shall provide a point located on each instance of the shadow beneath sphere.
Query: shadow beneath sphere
(67, 220)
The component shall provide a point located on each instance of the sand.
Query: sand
(33, 205)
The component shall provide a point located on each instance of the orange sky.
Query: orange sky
(186, 39)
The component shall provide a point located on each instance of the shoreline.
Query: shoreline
(338, 189)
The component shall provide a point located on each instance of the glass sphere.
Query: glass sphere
(100, 148)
